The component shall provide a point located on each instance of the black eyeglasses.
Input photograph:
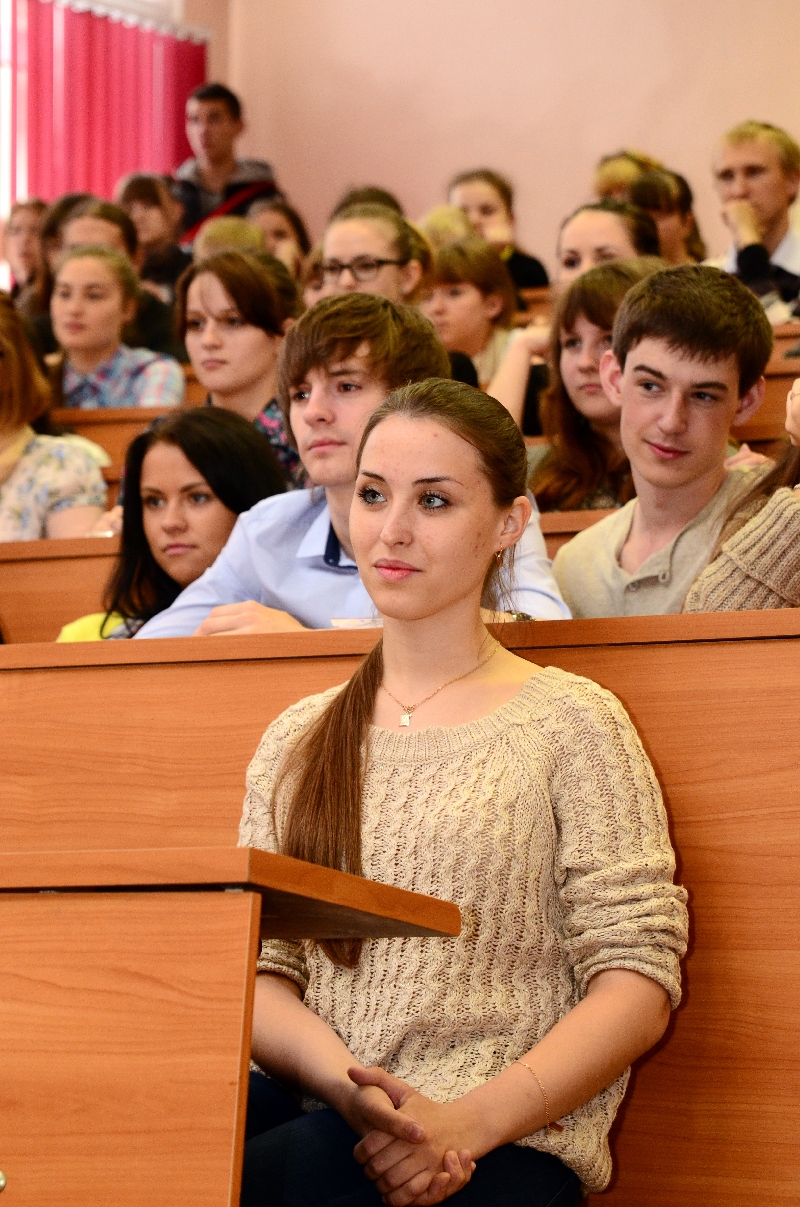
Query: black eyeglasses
(363, 268)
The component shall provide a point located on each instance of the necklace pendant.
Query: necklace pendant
(405, 718)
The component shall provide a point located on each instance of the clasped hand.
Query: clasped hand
(420, 1165)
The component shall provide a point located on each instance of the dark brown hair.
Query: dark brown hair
(366, 194)
(475, 261)
(251, 285)
(150, 190)
(701, 312)
(579, 462)
(403, 344)
(664, 192)
(642, 230)
(265, 205)
(218, 92)
(24, 391)
(500, 184)
(324, 770)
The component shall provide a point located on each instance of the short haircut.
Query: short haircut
(501, 185)
(700, 311)
(642, 230)
(617, 172)
(107, 212)
(218, 92)
(118, 265)
(34, 204)
(24, 390)
(146, 189)
(785, 145)
(252, 282)
(60, 212)
(366, 194)
(227, 234)
(476, 262)
(403, 344)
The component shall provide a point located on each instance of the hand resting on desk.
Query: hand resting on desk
(246, 617)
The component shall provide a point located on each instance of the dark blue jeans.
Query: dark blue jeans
(292, 1159)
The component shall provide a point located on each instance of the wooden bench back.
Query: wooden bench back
(46, 584)
(146, 743)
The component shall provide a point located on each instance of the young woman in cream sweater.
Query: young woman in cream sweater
(488, 1066)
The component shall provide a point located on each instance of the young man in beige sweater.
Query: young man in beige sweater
(690, 346)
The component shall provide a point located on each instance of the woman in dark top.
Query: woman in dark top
(187, 478)
(487, 199)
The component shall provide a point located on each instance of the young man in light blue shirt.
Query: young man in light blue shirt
(288, 563)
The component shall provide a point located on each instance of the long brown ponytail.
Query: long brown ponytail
(324, 771)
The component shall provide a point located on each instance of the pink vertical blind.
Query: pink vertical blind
(102, 96)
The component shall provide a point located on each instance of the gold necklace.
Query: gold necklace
(408, 709)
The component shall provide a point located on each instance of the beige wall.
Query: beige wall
(406, 93)
(213, 15)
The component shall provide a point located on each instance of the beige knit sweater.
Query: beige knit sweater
(543, 821)
(758, 567)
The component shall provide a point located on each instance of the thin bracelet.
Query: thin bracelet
(551, 1127)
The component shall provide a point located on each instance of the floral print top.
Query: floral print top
(270, 423)
(52, 475)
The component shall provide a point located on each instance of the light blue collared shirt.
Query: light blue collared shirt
(284, 554)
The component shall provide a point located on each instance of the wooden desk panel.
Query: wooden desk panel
(46, 584)
(170, 725)
(112, 428)
(769, 421)
(558, 527)
(142, 1011)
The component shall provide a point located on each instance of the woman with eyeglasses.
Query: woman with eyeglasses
(372, 249)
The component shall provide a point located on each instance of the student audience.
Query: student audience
(616, 173)
(227, 234)
(487, 200)
(667, 198)
(757, 174)
(22, 248)
(284, 230)
(49, 486)
(187, 478)
(583, 464)
(689, 349)
(94, 299)
(520, 792)
(215, 182)
(289, 563)
(469, 297)
(607, 230)
(156, 215)
(233, 312)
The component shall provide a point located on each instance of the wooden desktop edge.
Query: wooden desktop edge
(353, 643)
(230, 867)
(64, 548)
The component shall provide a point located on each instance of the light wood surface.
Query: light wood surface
(156, 734)
(46, 584)
(558, 527)
(769, 421)
(112, 428)
(300, 900)
(124, 1028)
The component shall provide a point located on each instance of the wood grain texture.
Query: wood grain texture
(125, 1021)
(300, 899)
(769, 421)
(558, 527)
(46, 584)
(101, 734)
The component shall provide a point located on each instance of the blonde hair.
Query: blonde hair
(445, 224)
(227, 234)
(785, 145)
(616, 173)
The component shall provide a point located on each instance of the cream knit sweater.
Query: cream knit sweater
(757, 567)
(543, 821)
